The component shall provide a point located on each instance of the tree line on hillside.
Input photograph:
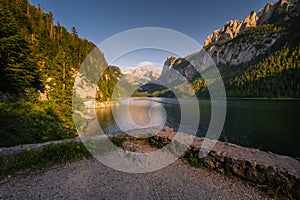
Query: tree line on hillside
(275, 76)
(38, 57)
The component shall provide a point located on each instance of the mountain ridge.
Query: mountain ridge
(232, 28)
(262, 60)
(270, 30)
(141, 74)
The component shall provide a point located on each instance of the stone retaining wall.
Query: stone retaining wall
(281, 173)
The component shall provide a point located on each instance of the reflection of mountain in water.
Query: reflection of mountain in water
(138, 113)
(268, 125)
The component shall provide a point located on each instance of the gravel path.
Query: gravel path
(89, 179)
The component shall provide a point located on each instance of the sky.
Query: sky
(98, 20)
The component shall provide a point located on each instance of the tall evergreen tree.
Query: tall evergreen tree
(17, 65)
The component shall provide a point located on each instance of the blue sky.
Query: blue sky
(97, 20)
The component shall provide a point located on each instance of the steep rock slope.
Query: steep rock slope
(257, 35)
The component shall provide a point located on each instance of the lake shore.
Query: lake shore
(277, 172)
(92, 104)
(265, 98)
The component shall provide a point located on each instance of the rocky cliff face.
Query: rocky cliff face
(279, 11)
(271, 13)
(177, 70)
(231, 29)
(232, 45)
(243, 49)
(168, 64)
(166, 74)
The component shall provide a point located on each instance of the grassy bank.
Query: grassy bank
(51, 154)
(25, 122)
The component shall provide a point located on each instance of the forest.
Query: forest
(38, 61)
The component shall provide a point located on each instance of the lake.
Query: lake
(269, 125)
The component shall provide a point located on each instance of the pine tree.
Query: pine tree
(17, 66)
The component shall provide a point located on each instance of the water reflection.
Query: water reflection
(268, 125)
(139, 113)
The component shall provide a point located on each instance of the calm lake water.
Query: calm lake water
(270, 125)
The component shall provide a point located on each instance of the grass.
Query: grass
(273, 192)
(193, 159)
(25, 122)
(276, 191)
(153, 143)
(218, 43)
(117, 141)
(38, 158)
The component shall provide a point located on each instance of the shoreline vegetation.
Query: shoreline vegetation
(100, 104)
(231, 98)
(277, 175)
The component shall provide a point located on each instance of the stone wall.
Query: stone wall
(281, 173)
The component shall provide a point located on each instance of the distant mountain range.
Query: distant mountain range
(141, 75)
(256, 57)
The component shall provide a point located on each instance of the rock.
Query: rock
(165, 74)
(231, 29)
(242, 50)
(235, 48)
(43, 95)
(169, 62)
(130, 146)
(266, 15)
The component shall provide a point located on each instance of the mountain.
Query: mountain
(257, 57)
(272, 28)
(270, 14)
(141, 74)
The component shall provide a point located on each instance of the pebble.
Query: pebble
(89, 179)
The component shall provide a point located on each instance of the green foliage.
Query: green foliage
(262, 30)
(154, 90)
(275, 76)
(193, 159)
(117, 141)
(26, 122)
(37, 158)
(153, 143)
(108, 83)
(36, 54)
(17, 66)
(265, 29)
(218, 43)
